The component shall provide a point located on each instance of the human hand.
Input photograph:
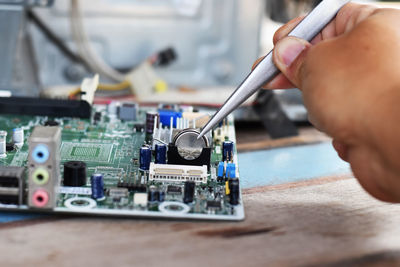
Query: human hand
(349, 77)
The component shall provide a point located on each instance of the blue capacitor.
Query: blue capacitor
(145, 157)
(97, 183)
(230, 170)
(227, 151)
(221, 169)
(161, 196)
(161, 154)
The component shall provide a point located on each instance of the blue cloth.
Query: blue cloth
(289, 164)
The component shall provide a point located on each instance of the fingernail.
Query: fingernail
(288, 49)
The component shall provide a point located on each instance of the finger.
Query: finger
(289, 56)
(286, 29)
(279, 82)
(341, 149)
(256, 62)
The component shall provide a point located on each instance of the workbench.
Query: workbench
(320, 216)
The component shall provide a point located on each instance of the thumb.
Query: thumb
(289, 55)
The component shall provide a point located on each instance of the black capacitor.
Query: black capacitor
(161, 154)
(227, 150)
(188, 193)
(97, 116)
(150, 120)
(234, 191)
(10, 146)
(144, 157)
(74, 173)
(153, 195)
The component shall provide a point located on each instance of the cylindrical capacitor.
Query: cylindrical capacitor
(3, 144)
(234, 191)
(161, 154)
(74, 173)
(150, 121)
(154, 195)
(97, 183)
(161, 197)
(145, 157)
(227, 151)
(188, 193)
(18, 137)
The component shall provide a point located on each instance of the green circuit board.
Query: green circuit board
(110, 146)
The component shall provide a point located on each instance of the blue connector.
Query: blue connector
(166, 115)
(231, 170)
(221, 170)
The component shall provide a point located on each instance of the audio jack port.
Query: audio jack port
(40, 176)
(40, 198)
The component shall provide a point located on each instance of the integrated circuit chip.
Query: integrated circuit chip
(174, 189)
(88, 152)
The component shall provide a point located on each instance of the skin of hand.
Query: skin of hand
(350, 79)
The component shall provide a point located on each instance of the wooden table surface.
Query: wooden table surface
(329, 221)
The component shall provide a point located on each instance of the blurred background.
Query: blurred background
(149, 51)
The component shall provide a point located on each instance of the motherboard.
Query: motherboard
(119, 159)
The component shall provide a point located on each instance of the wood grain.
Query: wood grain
(330, 223)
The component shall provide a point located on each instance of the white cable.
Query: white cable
(85, 50)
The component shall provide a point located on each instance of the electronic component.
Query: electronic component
(221, 171)
(132, 187)
(97, 184)
(128, 111)
(3, 144)
(18, 137)
(112, 108)
(150, 121)
(166, 115)
(139, 127)
(140, 199)
(11, 185)
(213, 204)
(51, 123)
(44, 170)
(153, 195)
(230, 170)
(74, 173)
(234, 191)
(145, 157)
(97, 116)
(186, 149)
(177, 173)
(227, 189)
(160, 154)
(45, 107)
(227, 151)
(10, 146)
(188, 192)
(173, 189)
(118, 192)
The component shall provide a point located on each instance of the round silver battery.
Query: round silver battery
(189, 147)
